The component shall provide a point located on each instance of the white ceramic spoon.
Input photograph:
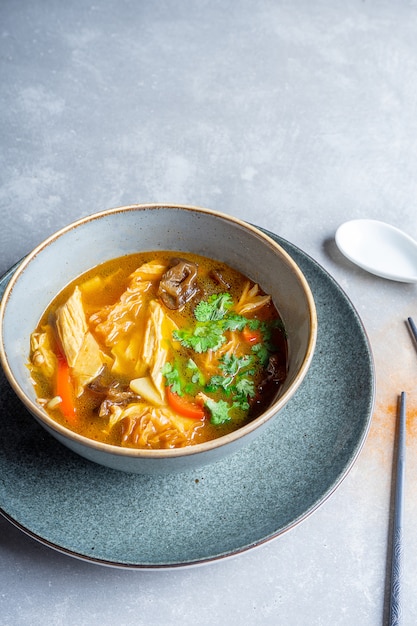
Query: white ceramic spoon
(379, 248)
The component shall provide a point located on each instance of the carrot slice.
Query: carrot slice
(251, 336)
(65, 390)
(184, 407)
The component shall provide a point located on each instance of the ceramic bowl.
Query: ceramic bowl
(124, 230)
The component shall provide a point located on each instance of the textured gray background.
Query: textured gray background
(292, 115)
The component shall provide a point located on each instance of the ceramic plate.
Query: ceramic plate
(148, 522)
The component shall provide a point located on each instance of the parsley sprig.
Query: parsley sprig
(236, 380)
(201, 338)
(213, 318)
(214, 308)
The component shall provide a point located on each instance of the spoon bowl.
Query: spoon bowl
(379, 248)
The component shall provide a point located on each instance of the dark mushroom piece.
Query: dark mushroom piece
(275, 374)
(275, 371)
(216, 275)
(178, 284)
(113, 394)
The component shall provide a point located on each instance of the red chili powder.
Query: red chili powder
(384, 427)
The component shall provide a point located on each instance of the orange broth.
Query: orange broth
(102, 288)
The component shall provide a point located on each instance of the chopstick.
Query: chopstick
(397, 530)
(395, 613)
(413, 327)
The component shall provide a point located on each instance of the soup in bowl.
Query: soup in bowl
(155, 338)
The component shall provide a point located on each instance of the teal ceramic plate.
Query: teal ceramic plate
(148, 522)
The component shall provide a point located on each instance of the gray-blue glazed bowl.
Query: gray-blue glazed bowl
(125, 230)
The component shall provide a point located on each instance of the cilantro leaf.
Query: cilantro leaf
(219, 411)
(233, 382)
(246, 387)
(172, 377)
(201, 338)
(234, 321)
(262, 351)
(231, 364)
(214, 308)
(220, 382)
(196, 375)
(241, 403)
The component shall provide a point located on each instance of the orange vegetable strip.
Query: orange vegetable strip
(65, 390)
(251, 336)
(184, 407)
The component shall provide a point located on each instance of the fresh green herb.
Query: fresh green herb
(235, 378)
(232, 365)
(266, 347)
(217, 383)
(245, 388)
(173, 378)
(196, 375)
(240, 403)
(214, 308)
(201, 338)
(233, 321)
(262, 353)
(219, 411)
